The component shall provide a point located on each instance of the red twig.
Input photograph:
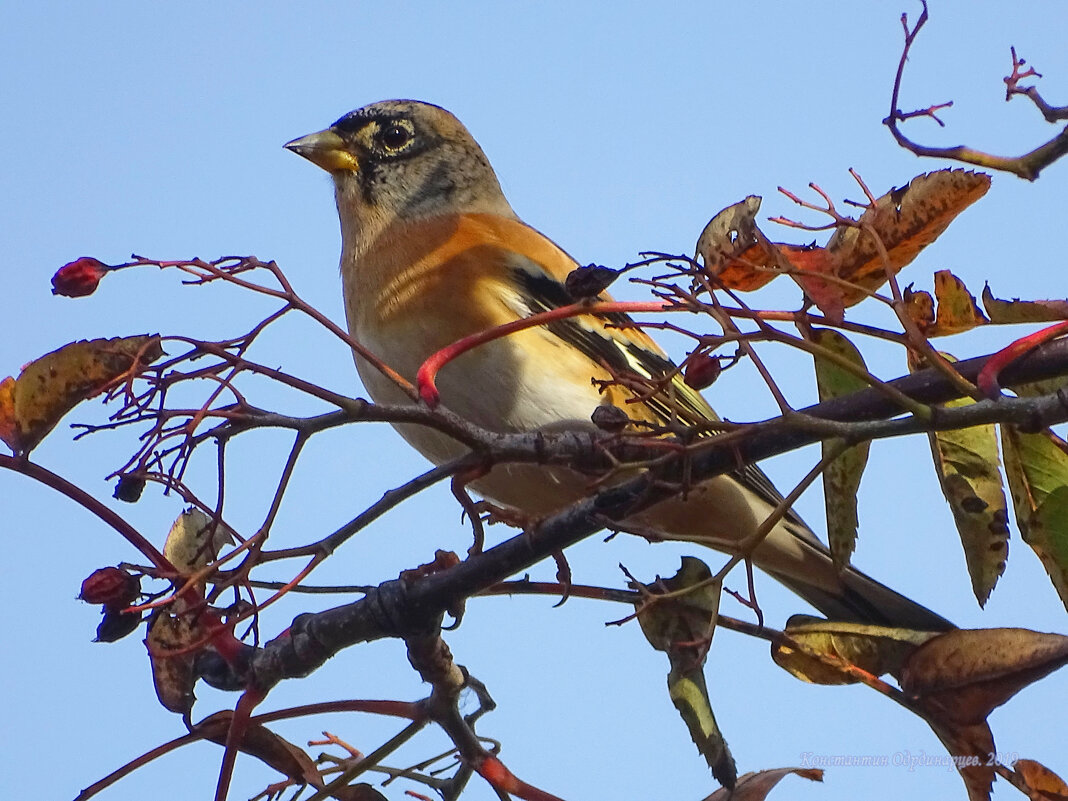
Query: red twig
(987, 380)
(428, 371)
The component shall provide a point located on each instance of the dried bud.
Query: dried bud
(78, 278)
(112, 587)
(610, 418)
(116, 625)
(129, 488)
(589, 281)
(443, 560)
(702, 370)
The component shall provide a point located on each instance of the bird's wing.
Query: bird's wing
(614, 341)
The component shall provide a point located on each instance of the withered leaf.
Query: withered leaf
(737, 253)
(919, 305)
(906, 220)
(963, 675)
(970, 747)
(49, 387)
(1048, 786)
(730, 233)
(757, 786)
(168, 641)
(267, 746)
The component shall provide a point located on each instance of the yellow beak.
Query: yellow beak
(325, 149)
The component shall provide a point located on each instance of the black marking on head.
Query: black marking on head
(382, 135)
(375, 136)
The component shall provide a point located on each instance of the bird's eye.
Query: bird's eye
(396, 135)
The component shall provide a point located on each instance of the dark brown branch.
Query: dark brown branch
(1012, 87)
(1028, 165)
(398, 608)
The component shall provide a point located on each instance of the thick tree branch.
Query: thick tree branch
(401, 607)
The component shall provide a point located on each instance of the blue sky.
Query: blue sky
(132, 127)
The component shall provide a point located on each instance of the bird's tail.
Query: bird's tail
(722, 511)
(858, 598)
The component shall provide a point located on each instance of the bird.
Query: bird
(432, 251)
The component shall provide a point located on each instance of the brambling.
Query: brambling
(432, 252)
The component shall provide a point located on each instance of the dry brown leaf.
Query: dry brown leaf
(1044, 783)
(736, 252)
(810, 264)
(49, 387)
(957, 678)
(963, 675)
(265, 745)
(172, 673)
(906, 220)
(730, 233)
(756, 786)
(919, 305)
(969, 747)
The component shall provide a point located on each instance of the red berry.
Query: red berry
(112, 587)
(78, 278)
(702, 370)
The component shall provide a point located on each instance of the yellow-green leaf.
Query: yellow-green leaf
(957, 310)
(188, 547)
(681, 626)
(967, 464)
(194, 542)
(690, 695)
(1037, 470)
(825, 649)
(841, 478)
(968, 469)
(1023, 311)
